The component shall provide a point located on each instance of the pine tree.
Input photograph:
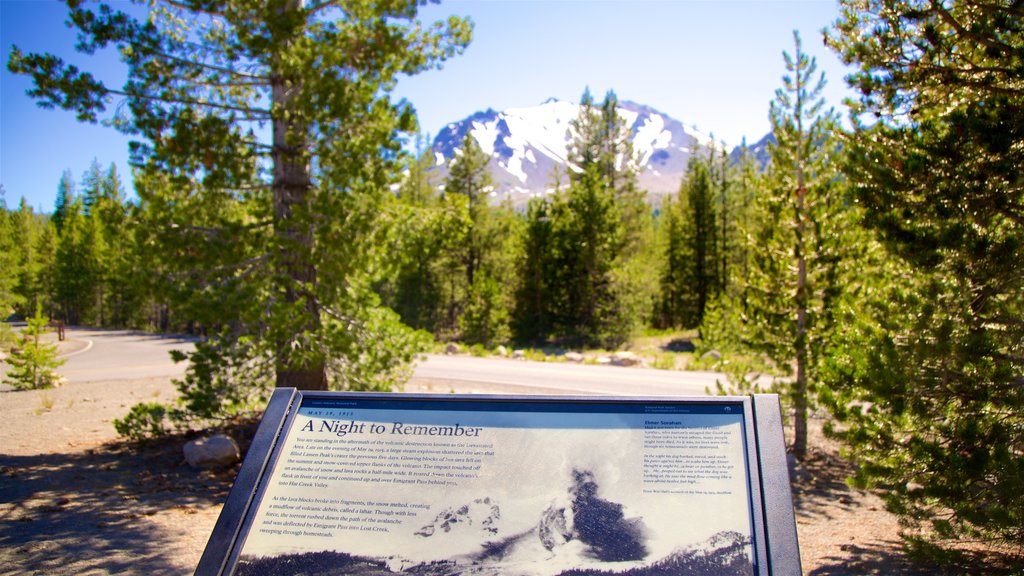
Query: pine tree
(25, 268)
(65, 196)
(532, 317)
(739, 205)
(482, 312)
(91, 186)
(10, 266)
(75, 278)
(596, 229)
(34, 362)
(932, 401)
(414, 289)
(289, 225)
(797, 256)
(469, 178)
(44, 250)
(691, 274)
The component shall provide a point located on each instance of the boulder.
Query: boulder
(212, 452)
(574, 357)
(519, 354)
(501, 351)
(452, 348)
(626, 359)
(712, 355)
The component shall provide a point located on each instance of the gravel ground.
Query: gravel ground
(75, 500)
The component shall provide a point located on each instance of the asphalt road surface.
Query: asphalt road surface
(118, 354)
(563, 378)
(121, 354)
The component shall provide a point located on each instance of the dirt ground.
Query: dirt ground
(75, 500)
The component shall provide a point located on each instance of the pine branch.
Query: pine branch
(254, 114)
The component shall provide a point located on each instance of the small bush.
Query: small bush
(34, 362)
(145, 420)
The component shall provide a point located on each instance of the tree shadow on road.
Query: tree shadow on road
(118, 508)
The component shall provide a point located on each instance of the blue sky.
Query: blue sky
(710, 63)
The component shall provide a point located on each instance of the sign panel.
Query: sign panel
(531, 486)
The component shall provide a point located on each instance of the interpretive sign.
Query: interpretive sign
(376, 484)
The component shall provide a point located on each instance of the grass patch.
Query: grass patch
(665, 361)
(45, 404)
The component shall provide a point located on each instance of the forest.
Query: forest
(874, 271)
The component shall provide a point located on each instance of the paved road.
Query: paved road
(121, 354)
(118, 354)
(563, 378)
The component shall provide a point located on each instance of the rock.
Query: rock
(519, 354)
(451, 348)
(603, 360)
(712, 355)
(574, 357)
(212, 452)
(626, 359)
(501, 351)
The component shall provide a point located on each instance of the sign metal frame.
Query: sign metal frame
(775, 546)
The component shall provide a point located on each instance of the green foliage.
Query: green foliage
(666, 361)
(145, 420)
(28, 262)
(804, 245)
(478, 265)
(691, 275)
(33, 363)
(929, 377)
(533, 318)
(581, 280)
(75, 273)
(415, 288)
(269, 245)
(9, 265)
(8, 338)
(456, 252)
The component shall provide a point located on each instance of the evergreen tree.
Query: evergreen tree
(25, 268)
(44, 250)
(691, 276)
(92, 186)
(740, 200)
(34, 362)
(800, 241)
(535, 270)
(9, 265)
(674, 291)
(596, 229)
(414, 290)
(65, 196)
(932, 399)
(122, 294)
(469, 179)
(75, 266)
(294, 219)
(480, 309)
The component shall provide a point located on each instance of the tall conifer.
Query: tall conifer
(933, 375)
(285, 228)
(797, 255)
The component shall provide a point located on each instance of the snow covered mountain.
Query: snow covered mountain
(526, 144)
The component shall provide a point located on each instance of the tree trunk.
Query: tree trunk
(293, 232)
(800, 389)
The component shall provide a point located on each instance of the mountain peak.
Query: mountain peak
(527, 144)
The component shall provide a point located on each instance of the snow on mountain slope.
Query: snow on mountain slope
(527, 144)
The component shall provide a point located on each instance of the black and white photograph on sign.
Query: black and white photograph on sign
(370, 491)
